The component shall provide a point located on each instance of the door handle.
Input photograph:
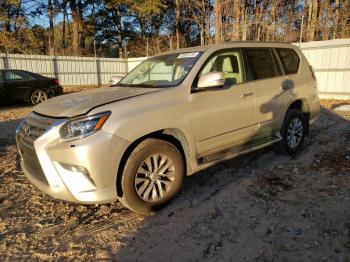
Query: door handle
(247, 94)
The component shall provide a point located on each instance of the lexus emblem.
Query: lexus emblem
(27, 130)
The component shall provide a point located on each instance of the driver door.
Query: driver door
(223, 117)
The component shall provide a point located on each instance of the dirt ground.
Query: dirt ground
(258, 207)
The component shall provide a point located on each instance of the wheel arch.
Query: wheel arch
(172, 135)
(303, 106)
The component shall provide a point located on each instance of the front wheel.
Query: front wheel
(294, 131)
(152, 176)
(38, 96)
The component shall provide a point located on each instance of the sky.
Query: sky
(43, 19)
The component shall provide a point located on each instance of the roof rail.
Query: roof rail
(254, 41)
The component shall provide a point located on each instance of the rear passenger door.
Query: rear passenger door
(266, 75)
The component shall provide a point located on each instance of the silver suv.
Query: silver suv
(173, 115)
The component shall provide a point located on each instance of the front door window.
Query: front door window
(228, 62)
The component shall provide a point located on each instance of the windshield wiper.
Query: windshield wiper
(138, 85)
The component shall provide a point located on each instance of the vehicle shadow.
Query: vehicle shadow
(7, 133)
(214, 215)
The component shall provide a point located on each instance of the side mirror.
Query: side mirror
(213, 79)
(115, 80)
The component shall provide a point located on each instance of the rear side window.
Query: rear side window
(10, 76)
(17, 75)
(290, 60)
(261, 63)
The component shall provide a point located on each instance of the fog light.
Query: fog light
(79, 169)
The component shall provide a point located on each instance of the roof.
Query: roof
(228, 44)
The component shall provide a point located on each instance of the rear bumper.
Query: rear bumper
(55, 90)
(98, 154)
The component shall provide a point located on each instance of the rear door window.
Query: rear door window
(260, 63)
(289, 59)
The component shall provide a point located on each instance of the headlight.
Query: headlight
(83, 126)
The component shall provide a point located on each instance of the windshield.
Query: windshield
(161, 71)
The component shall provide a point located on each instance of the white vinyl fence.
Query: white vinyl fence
(71, 70)
(330, 60)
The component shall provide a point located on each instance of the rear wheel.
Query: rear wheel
(38, 96)
(294, 131)
(152, 176)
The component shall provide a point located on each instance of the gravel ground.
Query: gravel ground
(262, 207)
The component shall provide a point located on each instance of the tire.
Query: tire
(38, 96)
(292, 138)
(145, 187)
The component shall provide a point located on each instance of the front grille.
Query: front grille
(33, 127)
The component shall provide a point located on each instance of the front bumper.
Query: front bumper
(99, 154)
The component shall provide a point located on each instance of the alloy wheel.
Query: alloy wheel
(38, 96)
(294, 133)
(155, 177)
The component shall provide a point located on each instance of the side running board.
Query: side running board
(239, 150)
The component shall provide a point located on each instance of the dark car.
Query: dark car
(27, 86)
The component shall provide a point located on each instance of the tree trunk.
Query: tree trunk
(217, 18)
(177, 21)
(244, 23)
(64, 24)
(291, 16)
(19, 6)
(309, 19)
(51, 33)
(326, 11)
(237, 15)
(271, 30)
(208, 26)
(171, 46)
(82, 35)
(259, 23)
(314, 19)
(74, 27)
(345, 27)
(336, 19)
(118, 23)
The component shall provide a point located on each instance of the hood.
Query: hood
(82, 102)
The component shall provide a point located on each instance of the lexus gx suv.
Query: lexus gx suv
(173, 115)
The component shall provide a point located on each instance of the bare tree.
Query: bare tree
(217, 19)
(177, 21)
(236, 17)
(345, 19)
(336, 18)
(313, 9)
(74, 27)
(51, 33)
